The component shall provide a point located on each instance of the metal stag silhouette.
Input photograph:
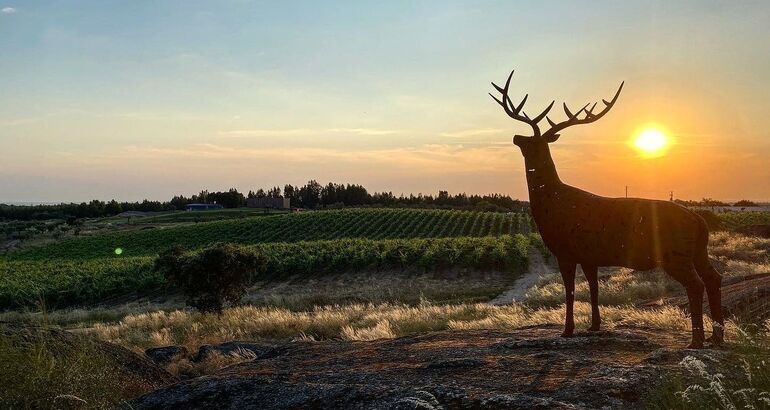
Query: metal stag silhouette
(582, 228)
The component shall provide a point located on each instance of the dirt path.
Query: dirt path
(537, 267)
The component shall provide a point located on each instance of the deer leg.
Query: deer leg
(592, 276)
(713, 282)
(694, 286)
(568, 276)
(695, 297)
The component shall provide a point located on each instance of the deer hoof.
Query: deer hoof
(567, 333)
(718, 336)
(695, 345)
(715, 340)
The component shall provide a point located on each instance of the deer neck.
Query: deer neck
(542, 178)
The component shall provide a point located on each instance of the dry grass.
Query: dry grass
(83, 317)
(741, 255)
(303, 293)
(39, 370)
(213, 362)
(736, 247)
(617, 286)
(359, 322)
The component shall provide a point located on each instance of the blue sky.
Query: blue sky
(149, 99)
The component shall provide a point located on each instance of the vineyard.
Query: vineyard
(733, 220)
(208, 216)
(63, 282)
(89, 269)
(374, 224)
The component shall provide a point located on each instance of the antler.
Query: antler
(572, 119)
(551, 135)
(515, 112)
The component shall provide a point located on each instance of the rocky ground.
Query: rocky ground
(524, 368)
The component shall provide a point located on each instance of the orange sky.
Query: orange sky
(131, 102)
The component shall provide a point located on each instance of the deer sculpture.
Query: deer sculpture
(582, 228)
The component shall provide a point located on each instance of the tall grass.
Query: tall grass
(617, 286)
(359, 322)
(728, 245)
(41, 371)
(737, 381)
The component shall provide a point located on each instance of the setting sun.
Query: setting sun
(651, 142)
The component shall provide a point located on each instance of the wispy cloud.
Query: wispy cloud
(305, 132)
(428, 158)
(363, 131)
(8, 10)
(472, 133)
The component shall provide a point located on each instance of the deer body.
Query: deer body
(593, 230)
(579, 227)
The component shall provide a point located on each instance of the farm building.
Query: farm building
(202, 207)
(268, 202)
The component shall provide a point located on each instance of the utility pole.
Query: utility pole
(626, 191)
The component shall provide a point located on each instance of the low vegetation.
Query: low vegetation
(352, 274)
(617, 287)
(208, 216)
(733, 220)
(42, 369)
(63, 282)
(358, 322)
(709, 383)
(60, 283)
(213, 277)
(308, 226)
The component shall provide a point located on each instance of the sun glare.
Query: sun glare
(651, 142)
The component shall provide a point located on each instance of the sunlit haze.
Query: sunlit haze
(133, 100)
(651, 143)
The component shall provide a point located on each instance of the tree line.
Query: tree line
(714, 202)
(312, 195)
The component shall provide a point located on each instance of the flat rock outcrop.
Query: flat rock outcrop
(524, 368)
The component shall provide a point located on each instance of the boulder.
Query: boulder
(257, 350)
(166, 354)
(530, 368)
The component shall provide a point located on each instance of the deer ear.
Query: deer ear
(552, 138)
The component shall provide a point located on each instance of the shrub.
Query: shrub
(212, 277)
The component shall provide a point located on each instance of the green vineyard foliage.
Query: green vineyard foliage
(306, 226)
(62, 282)
(733, 220)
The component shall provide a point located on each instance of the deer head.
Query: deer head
(535, 147)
